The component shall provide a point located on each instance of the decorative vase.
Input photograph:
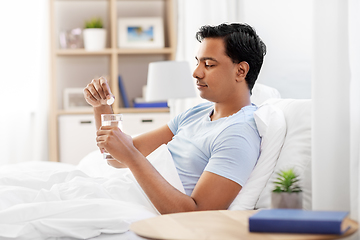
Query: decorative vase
(286, 200)
(94, 39)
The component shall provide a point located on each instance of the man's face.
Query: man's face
(215, 72)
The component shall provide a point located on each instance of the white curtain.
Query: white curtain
(194, 14)
(286, 28)
(336, 108)
(331, 86)
(354, 57)
(24, 80)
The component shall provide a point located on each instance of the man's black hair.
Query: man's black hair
(241, 44)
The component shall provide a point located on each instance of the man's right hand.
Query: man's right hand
(97, 92)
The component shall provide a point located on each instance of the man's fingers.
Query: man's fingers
(88, 95)
(106, 88)
(101, 131)
(94, 93)
(99, 89)
(105, 131)
(91, 88)
(98, 93)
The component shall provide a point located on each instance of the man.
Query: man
(214, 145)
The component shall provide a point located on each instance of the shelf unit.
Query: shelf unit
(111, 61)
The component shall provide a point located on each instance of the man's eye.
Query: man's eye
(208, 65)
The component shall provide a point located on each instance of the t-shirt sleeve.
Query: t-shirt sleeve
(234, 153)
(173, 124)
(176, 122)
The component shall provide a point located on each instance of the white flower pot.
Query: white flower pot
(286, 200)
(94, 39)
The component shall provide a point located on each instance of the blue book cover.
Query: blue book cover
(150, 104)
(123, 93)
(298, 221)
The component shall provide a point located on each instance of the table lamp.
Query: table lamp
(169, 80)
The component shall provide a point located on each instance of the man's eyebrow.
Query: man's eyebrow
(206, 58)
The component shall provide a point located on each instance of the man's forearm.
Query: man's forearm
(164, 196)
(103, 109)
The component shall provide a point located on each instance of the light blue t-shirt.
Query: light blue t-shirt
(228, 147)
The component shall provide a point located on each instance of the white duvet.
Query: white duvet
(40, 200)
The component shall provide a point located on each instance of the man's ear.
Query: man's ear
(242, 70)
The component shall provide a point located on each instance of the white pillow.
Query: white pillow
(261, 93)
(296, 151)
(271, 125)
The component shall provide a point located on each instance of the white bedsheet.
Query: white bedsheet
(41, 200)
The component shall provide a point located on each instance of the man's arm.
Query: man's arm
(96, 94)
(211, 192)
(103, 109)
(148, 142)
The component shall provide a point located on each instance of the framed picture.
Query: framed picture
(140, 32)
(74, 99)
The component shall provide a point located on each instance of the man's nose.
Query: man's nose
(198, 73)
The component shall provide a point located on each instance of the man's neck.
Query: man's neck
(225, 109)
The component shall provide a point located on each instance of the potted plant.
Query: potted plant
(287, 193)
(94, 35)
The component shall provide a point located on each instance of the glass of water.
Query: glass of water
(111, 120)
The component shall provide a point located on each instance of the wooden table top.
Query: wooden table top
(216, 225)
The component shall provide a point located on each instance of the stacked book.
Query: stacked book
(299, 221)
(141, 103)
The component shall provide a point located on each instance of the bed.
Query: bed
(46, 200)
(42, 199)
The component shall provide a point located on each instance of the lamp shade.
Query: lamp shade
(169, 80)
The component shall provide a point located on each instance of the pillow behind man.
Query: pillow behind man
(296, 151)
(261, 93)
(271, 125)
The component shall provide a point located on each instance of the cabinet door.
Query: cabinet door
(77, 137)
(138, 123)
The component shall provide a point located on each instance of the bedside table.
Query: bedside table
(223, 224)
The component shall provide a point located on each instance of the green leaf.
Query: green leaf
(94, 23)
(286, 182)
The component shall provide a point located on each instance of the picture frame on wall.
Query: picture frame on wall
(141, 32)
(74, 100)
